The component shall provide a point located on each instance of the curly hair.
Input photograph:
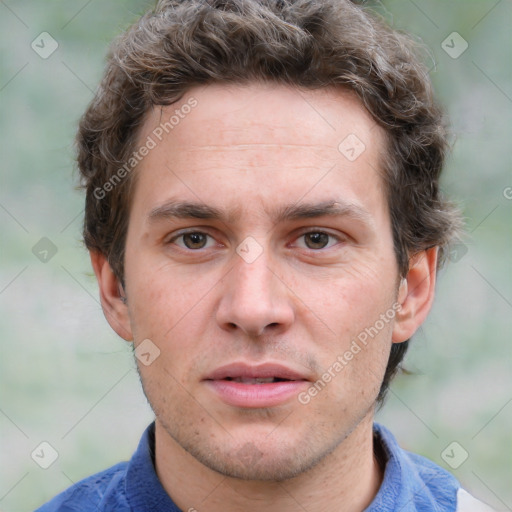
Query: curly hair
(303, 43)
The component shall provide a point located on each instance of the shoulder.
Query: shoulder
(442, 483)
(414, 483)
(103, 491)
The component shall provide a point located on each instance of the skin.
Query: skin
(250, 150)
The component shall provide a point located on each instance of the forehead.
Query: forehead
(289, 115)
(242, 138)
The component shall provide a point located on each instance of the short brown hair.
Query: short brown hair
(303, 43)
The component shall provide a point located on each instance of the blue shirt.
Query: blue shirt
(411, 483)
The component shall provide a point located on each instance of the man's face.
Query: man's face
(257, 292)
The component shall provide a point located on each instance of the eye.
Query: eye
(318, 240)
(192, 240)
(196, 240)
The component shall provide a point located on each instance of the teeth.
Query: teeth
(257, 380)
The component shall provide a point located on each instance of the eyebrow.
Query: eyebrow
(192, 210)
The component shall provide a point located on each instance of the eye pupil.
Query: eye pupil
(314, 240)
(196, 239)
(321, 239)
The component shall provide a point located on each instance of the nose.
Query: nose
(254, 299)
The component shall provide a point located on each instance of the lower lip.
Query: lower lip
(268, 394)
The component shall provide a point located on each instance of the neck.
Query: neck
(350, 475)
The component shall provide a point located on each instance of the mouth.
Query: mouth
(255, 386)
(257, 380)
(256, 373)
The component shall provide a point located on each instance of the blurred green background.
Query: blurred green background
(68, 380)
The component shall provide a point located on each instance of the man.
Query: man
(264, 221)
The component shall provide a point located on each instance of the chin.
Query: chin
(251, 463)
(261, 458)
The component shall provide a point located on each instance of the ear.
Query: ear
(416, 294)
(112, 296)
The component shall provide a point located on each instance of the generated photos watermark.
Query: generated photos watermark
(151, 142)
(343, 360)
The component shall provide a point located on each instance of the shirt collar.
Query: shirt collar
(144, 491)
(411, 482)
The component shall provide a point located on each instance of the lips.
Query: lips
(262, 371)
(253, 386)
(256, 380)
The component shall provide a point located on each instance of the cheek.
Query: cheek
(350, 304)
(161, 301)
(147, 304)
(357, 348)
(353, 375)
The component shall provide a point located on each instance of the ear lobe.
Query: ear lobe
(416, 294)
(112, 297)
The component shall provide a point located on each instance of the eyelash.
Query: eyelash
(316, 231)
